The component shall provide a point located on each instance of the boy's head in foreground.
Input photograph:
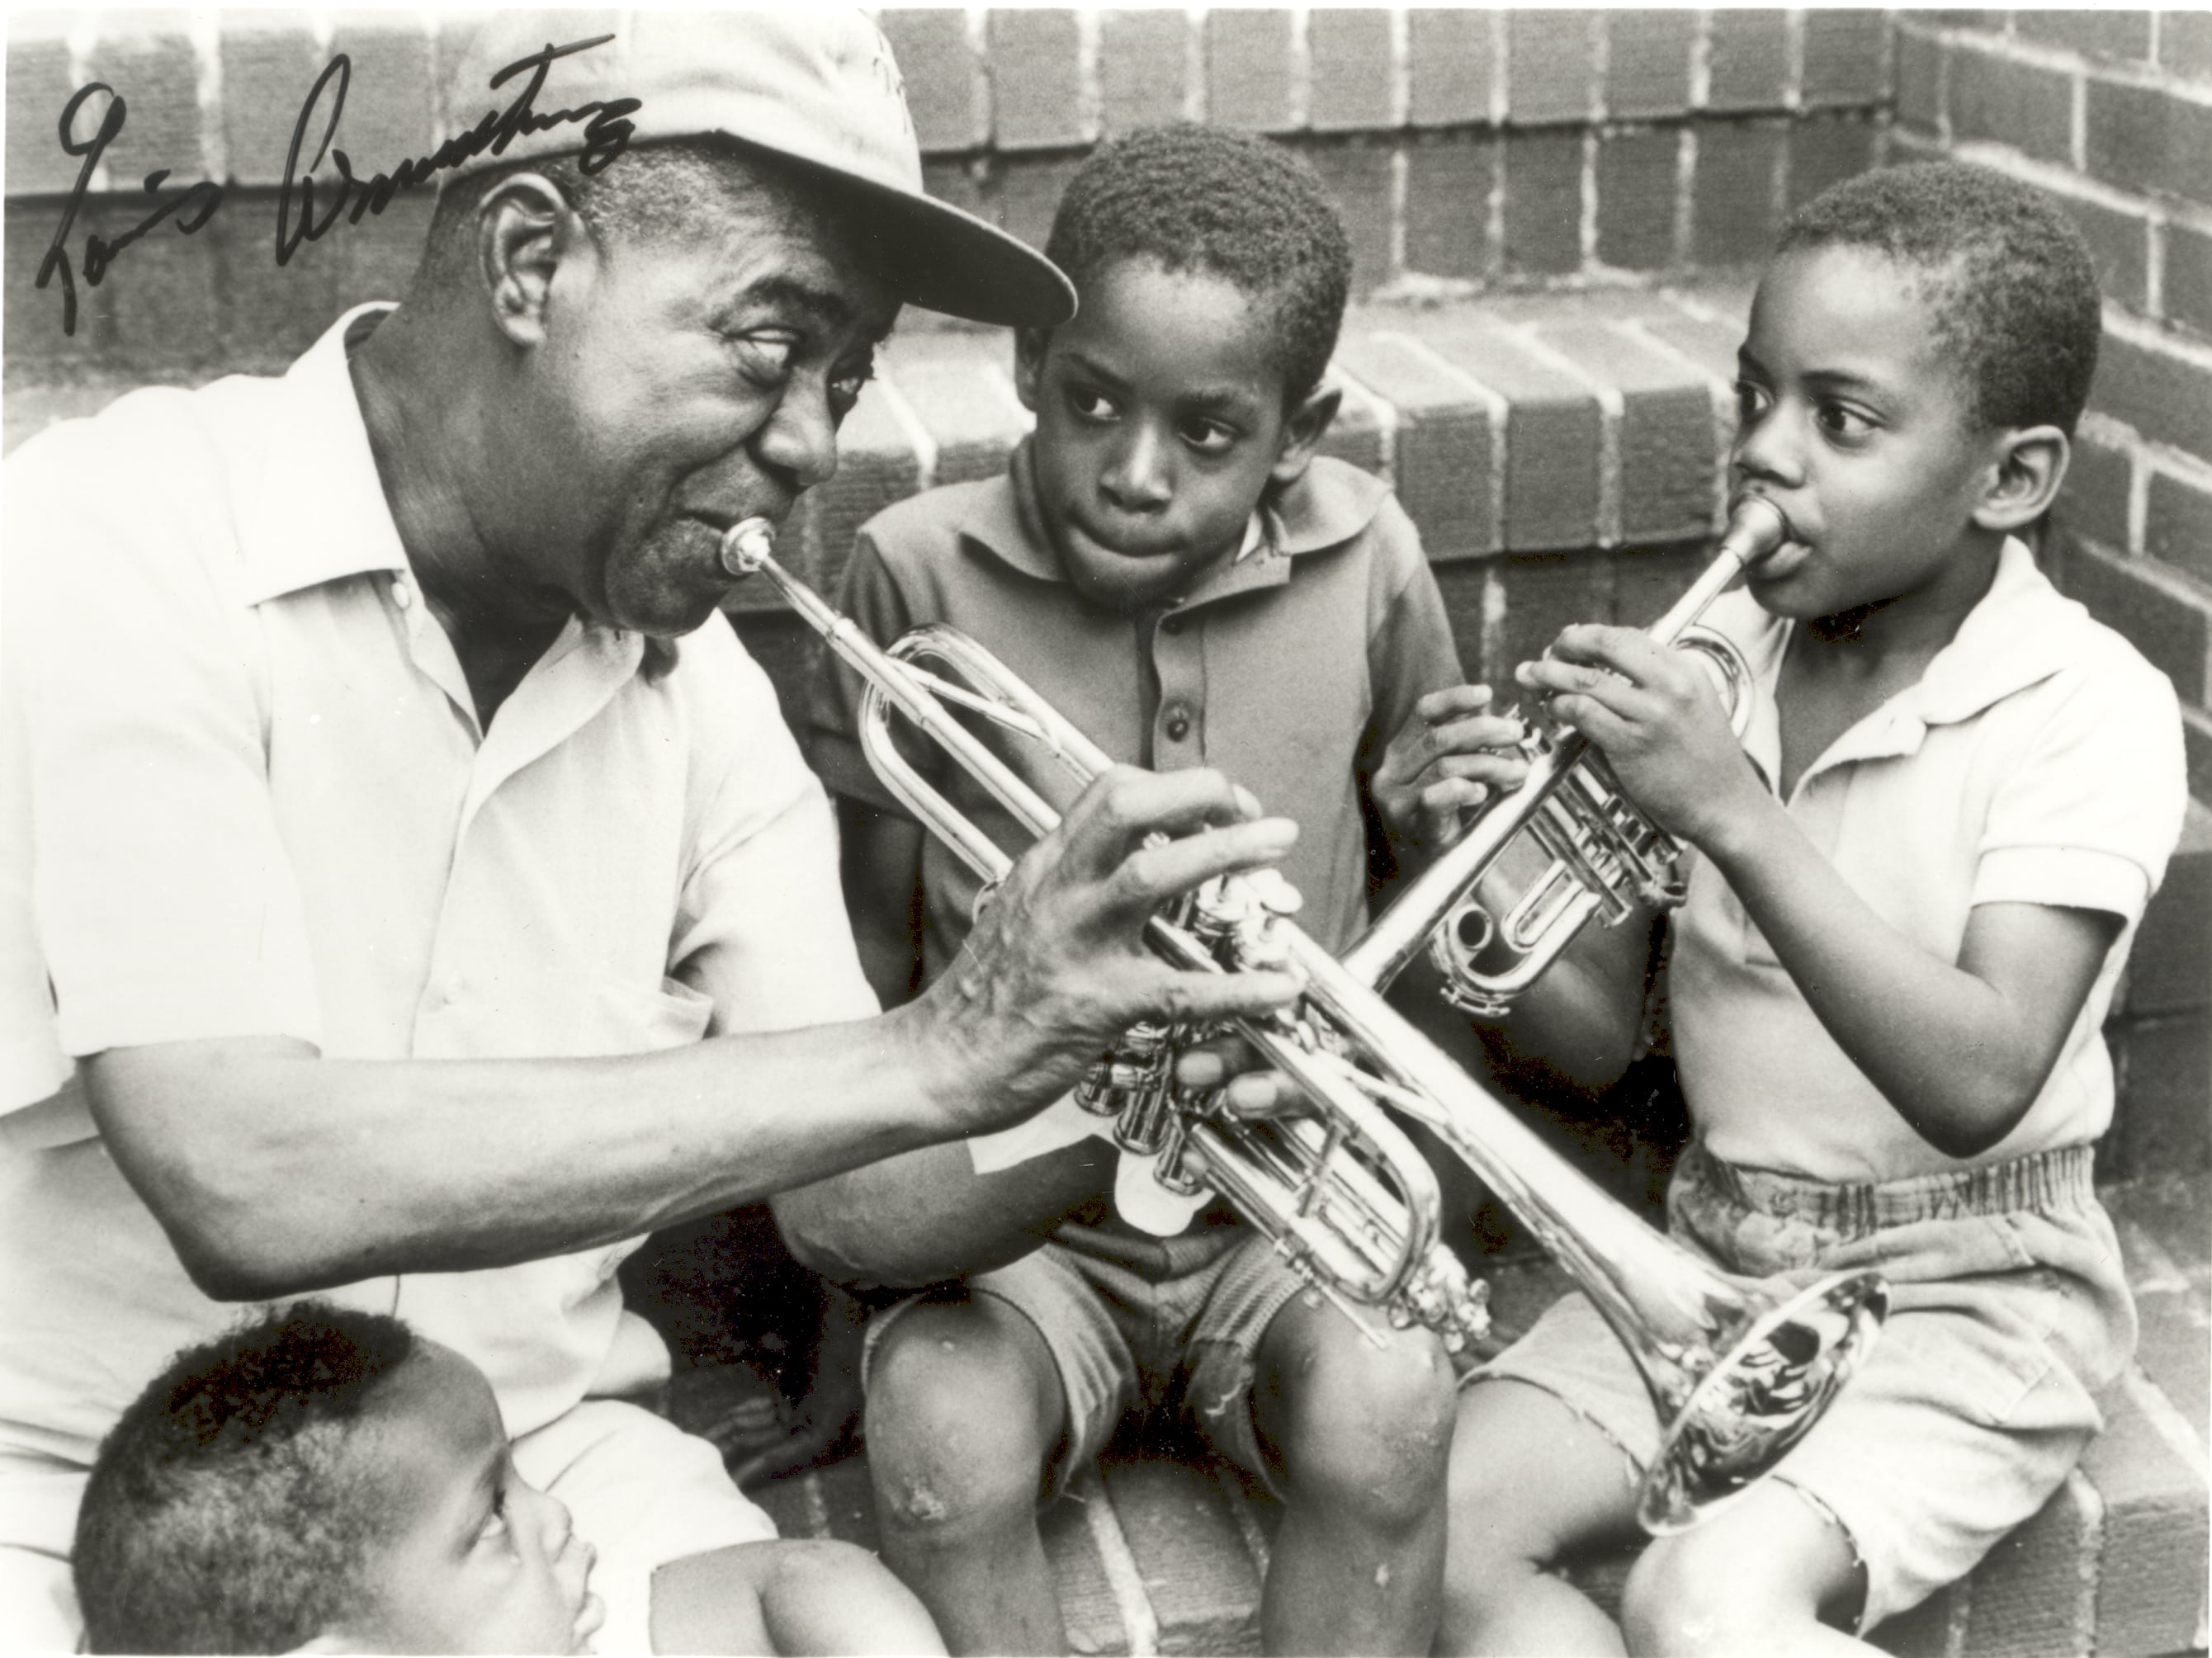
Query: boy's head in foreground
(1920, 347)
(1213, 271)
(323, 1479)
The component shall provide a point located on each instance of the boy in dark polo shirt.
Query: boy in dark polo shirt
(1169, 564)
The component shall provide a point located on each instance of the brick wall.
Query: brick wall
(1507, 146)
(2110, 111)
(1468, 147)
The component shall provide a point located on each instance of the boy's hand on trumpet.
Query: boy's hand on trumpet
(1656, 715)
(1056, 967)
(1451, 755)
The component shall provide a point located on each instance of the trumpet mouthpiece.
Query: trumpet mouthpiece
(747, 544)
(1756, 527)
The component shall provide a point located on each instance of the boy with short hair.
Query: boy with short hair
(1169, 564)
(1916, 883)
(326, 1480)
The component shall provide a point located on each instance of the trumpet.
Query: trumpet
(1738, 1374)
(1602, 856)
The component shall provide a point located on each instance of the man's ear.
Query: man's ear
(1028, 363)
(525, 229)
(2029, 465)
(1303, 431)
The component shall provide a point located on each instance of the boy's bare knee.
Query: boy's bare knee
(957, 1428)
(1741, 1583)
(1360, 1428)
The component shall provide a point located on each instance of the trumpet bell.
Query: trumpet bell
(1760, 1398)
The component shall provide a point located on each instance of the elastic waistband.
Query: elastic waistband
(2060, 1177)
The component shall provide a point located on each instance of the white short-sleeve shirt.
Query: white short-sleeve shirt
(250, 796)
(2039, 760)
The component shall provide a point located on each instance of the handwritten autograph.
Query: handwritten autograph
(607, 132)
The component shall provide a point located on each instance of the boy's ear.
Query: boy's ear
(1028, 363)
(2030, 465)
(1303, 431)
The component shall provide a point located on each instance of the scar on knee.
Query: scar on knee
(924, 1504)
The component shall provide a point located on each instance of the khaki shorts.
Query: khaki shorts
(641, 1491)
(1186, 1342)
(2008, 1311)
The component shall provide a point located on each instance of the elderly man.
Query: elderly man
(430, 910)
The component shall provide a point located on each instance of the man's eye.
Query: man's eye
(1087, 404)
(767, 357)
(1840, 420)
(1751, 402)
(1208, 437)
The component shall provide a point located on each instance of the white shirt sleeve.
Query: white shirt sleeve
(160, 892)
(2089, 812)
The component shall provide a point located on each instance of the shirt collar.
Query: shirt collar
(2022, 633)
(2018, 633)
(317, 510)
(1327, 507)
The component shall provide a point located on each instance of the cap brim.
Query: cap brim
(942, 258)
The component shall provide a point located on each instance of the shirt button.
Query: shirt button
(402, 595)
(1178, 722)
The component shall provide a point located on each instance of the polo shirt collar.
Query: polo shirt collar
(316, 511)
(2020, 633)
(1326, 508)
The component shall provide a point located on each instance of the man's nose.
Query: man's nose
(801, 436)
(1139, 481)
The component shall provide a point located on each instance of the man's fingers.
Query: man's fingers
(1211, 1064)
(1124, 806)
(1151, 875)
(1198, 998)
(1258, 1094)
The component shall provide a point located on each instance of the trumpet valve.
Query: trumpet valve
(1131, 1079)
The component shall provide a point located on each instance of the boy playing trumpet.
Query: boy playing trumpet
(1915, 882)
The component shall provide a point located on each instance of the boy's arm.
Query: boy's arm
(1960, 1049)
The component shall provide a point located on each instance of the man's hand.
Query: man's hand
(1657, 718)
(1056, 967)
(1450, 756)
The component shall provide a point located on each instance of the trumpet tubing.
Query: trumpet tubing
(1737, 1374)
(1601, 856)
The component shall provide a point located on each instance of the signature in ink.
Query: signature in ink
(606, 135)
(193, 207)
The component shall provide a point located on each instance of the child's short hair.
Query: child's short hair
(223, 1513)
(2011, 290)
(1200, 198)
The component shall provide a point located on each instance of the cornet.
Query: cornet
(1738, 1374)
(1601, 855)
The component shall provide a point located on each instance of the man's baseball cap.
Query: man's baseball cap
(819, 86)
